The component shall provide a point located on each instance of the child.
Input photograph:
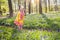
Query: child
(20, 18)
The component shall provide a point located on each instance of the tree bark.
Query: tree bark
(25, 6)
(45, 1)
(15, 5)
(40, 7)
(0, 9)
(29, 6)
(56, 7)
(49, 4)
(36, 6)
(19, 4)
(10, 8)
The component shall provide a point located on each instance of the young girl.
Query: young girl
(20, 18)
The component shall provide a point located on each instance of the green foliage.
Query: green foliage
(41, 21)
(2, 0)
(35, 21)
(5, 33)
(4, 6)
(8, 33)
(7, 22)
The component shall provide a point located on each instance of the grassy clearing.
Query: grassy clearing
(8, 33)
(35, 21)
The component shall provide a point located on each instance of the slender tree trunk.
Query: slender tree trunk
(10, 8)
(19, 3)
(49, 4)
(15, 4)
(40, 7)
(25, 6)
(15, 7)
(29, 6)
(0, 9)
(56, 7)
(36, 6)
(45, 1)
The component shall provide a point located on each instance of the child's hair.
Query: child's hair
(21, 6)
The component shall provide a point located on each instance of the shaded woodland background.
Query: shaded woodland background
(10, 7)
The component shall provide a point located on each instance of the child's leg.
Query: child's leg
(20, 27)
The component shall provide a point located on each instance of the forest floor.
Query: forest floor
(26, 34)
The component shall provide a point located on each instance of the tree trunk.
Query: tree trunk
(0, 9)
(40, 7)
(10, 8)
(25, 6)
(49, 4)
(19, 4)
(45, 1)
(29, 6)
(56, 7)
(36, 6)
(15, 5)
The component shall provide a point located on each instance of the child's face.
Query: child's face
(22, 7)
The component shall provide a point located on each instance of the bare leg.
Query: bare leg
(20, 27)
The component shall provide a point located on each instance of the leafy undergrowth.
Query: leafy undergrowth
(35, 21)
(8, 33)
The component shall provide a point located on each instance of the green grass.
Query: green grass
(8, 33)
(31, 24)
(35, 21)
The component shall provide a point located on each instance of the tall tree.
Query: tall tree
(19, 2)
(56, 6)
(29, 6)
(15, 4)
(10, 8)
(25, 6)
(49, 4)
(45, 1)
(40, 7)
(36, 6)
(0, 9)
